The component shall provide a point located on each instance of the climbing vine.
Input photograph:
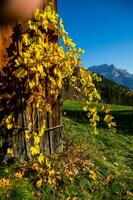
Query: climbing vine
(47, 57)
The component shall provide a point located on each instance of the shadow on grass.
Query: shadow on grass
(123, 119)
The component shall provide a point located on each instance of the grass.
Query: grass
(112, 154)
(77, 105)
(108, 156)
(123, 115)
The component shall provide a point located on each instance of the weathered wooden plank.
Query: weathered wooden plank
(29, 117)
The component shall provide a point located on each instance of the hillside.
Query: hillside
(119, 76)
(110, 91)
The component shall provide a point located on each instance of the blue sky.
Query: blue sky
(103, 28)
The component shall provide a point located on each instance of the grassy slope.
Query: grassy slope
(112, 155)
(123, 114)
(108, 155)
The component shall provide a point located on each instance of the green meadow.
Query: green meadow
(104, 162)
(111, 154)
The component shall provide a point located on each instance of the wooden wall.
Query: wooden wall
(51, 141)
(5, 34)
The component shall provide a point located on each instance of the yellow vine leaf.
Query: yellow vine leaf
(10, 151)
(9, 121)
(40, 68)
(4, 182)
(27, 134)
(31, 84)
(36, 140)
(52, 172)
(35, 150)
(39, 183)
(9, 126)
(41, 158)
(42, 130)
(19, 174)
(48, 165)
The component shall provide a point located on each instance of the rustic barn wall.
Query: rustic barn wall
(51, 141)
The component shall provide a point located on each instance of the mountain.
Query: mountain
(120, 76)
